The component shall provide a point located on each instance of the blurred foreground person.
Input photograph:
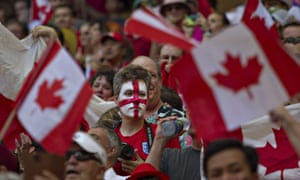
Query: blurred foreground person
(231, 160)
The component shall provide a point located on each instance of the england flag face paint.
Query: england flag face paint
(133, 98)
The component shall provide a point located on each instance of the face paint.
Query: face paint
(133, 98)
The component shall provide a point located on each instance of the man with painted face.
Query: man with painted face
(131, 85)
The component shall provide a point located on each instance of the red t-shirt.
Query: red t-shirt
(139, 141)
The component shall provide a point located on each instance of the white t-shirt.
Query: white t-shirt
(110, 174)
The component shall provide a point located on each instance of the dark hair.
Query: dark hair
(107, 73)
(59, 33)
(170, 96)
(130, 73)
(24, 27)
(182, 4)
(225, 19)
(220, 145)
(291, 24)
(102, 26)
(66, 5)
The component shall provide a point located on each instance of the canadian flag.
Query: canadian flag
(16, 61)
(256, 9)
(52, 100)
(148, 24)
(41, 11)
(237, 76)
(278, 159)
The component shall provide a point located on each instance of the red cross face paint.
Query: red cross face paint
(133, 98)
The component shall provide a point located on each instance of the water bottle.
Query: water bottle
(172, 127)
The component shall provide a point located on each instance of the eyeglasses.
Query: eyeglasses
(174, 6)
(292, 40)
(80, 155)
(167, 57)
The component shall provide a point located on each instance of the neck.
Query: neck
(88, 49)
(115, 63)
(152, 107)
(130, 126)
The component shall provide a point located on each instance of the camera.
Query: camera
(127, 151)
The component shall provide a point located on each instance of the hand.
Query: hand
(282, 117)
(129, 165)
(46, 175)
(168, 67)
(46, 32)
(159, 135)
(23, 147)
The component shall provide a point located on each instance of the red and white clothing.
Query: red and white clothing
(139, 141)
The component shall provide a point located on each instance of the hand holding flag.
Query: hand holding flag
(52, 101)
(245, 69)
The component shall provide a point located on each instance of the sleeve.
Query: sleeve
(174, 143)
(164, 162)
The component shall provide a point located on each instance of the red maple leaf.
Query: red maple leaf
(239, 77)
(280, 158)
(47, 97)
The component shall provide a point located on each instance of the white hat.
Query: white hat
(87, 143)
(280, 15)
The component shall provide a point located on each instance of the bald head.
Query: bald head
(154, 69)
(148, 64)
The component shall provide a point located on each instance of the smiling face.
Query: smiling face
(102, 88)
(133, 98)
(82, 170)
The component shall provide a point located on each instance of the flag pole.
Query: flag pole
(7, 123)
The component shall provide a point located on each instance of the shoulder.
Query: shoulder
(165, 111)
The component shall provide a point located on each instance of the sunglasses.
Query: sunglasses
(174, 6)
(291, 40)
(80, 155)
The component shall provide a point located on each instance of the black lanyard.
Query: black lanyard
(149, 135)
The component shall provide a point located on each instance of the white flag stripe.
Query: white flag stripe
(16, 61)
(145, 18)
(263, 13)
(259, 132)
(40, 122)
(234, 113)
(294, 12)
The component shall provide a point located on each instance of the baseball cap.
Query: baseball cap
(167, 3)
(146, 169)
(115, 36)
(87, 143)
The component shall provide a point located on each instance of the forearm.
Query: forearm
(292, 130)
(156, 153)
(284, 119)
